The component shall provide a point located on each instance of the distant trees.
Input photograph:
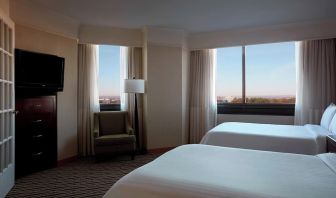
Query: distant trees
(261, 100)
(237, 100)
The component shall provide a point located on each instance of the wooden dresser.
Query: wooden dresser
(36, 133)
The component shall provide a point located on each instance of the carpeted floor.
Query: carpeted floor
(82, 178)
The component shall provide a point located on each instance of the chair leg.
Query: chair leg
(132, 155)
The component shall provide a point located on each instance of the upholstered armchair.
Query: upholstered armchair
(113, 134)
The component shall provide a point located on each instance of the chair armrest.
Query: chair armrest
(96, 133)
(95, 125)
(130, 130)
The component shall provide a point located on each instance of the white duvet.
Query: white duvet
(212, 171)
(308, 139)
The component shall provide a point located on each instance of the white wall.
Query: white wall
(165, 37)
(165, 98)
(39, 41)
(164, 88)
(110, 35)
(31, 14)
(4, 6)
(185, 95)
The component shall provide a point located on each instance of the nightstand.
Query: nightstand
(331, 143)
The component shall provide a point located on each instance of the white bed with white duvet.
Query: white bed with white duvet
(308, 139)
(211, 171)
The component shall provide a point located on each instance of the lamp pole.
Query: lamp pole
(136, 122)
(135, 86)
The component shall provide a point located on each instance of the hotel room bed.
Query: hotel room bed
(212, 171)
(308, 139)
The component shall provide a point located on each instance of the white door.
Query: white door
(6, 104)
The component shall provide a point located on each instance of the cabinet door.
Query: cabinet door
(6, 104)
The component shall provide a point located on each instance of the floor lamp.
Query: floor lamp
(135, 86)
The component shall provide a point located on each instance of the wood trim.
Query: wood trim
(160, 150)
(109, 107)
(66, 161)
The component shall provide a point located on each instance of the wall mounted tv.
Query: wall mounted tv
(36, 70)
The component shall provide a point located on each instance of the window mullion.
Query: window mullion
(243, 77)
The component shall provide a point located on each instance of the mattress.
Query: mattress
(308, 139)
(211, 171)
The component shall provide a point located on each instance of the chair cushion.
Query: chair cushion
(115, 149)
(115, 139)
(112, 123)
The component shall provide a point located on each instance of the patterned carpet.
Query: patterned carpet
(82, 178)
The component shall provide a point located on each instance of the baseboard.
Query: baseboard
(67, 160)
(160, 150)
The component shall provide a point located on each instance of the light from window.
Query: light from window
(229, 75)
(269, 74)
(109, 74)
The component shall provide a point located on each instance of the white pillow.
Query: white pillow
(332, 126)
(328, 116)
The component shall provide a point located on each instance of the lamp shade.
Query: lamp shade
(134, 86)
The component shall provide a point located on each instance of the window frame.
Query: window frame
(256, 109)
(109, 107)
(253, 109)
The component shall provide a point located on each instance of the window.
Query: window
(109, 77)
(229, 75)
(256, 79)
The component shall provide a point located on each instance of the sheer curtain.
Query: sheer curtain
(123, 75)
(203, 107)
(131, 66)
(316, 78)
(88, 101)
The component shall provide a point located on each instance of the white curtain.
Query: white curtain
(123, 76)
(88, 101)
(203, 107)
(316, 78)
(131, 67)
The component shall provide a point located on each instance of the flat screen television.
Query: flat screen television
(37, 70)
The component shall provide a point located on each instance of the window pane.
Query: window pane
(270, 73)
(109, 74)
(229, 75)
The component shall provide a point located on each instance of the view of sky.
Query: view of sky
(109, 70)
(270, 70)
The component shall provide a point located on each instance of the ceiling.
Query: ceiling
(192, 15)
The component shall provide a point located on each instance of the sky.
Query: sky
(270, 70)
(109, 70)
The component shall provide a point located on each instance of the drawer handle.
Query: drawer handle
(38, 136)
(37, 154)
(37, 121)
(38, 105)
